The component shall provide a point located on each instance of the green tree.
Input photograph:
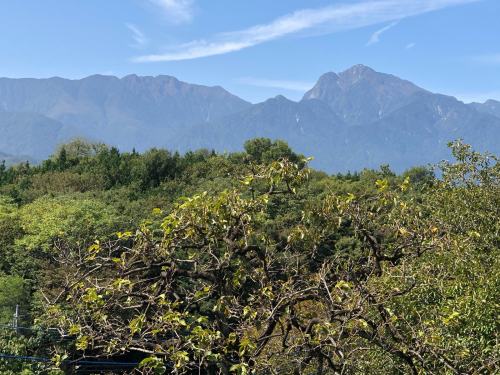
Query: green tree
(262, 150)
(14, 290)
(421, 297)
(10, 229)
(76, 147)
(66, 223)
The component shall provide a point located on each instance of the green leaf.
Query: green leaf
(145, 361)
(160, 369)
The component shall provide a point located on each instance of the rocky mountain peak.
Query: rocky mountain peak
(280, 98)
(354, 74)
(490, 106)
(492, 103)
(325, 85)
(360, 95)
(349, 120)
(328, 77)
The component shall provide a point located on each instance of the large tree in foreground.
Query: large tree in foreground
(213, 289)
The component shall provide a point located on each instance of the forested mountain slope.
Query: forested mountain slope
(306, 124)
(28, 133)
(417, 133)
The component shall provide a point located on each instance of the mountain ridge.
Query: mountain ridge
(350, 120)
(129, 112)
(489, 106)
(12, 160)
(414, 128)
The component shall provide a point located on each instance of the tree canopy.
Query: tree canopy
(256, 263)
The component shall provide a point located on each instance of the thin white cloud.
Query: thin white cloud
(334, 18)
(282, 84)
(493, 58)
(177, 11)
(374, 39)
(409, 45)
(138, 36)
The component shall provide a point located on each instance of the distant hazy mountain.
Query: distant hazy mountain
(33, 134)
(15, 159)
(416, 133)
(490, 106)
(360, 95)
(130, 112)
(354, 119)
(374, 119)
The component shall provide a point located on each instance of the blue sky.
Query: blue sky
(257, 49)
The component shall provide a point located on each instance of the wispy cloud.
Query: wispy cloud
(492, 58)
(138, 36)
(177, 11)
(334, 18)
(409, 45)
(374, 39)
(289, 85)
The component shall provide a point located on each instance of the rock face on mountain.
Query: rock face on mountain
(360, 95)
(33, 134)
(129, 112)
(490, 106)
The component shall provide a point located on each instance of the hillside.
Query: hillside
(33, 134)
(10, 159)
(416, 133)
(306, 125)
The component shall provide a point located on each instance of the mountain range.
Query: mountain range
(133, 111)
(354, 119)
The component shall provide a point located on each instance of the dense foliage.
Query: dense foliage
(268, 266)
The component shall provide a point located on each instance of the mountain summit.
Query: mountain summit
(360, 95)
(354, 119)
